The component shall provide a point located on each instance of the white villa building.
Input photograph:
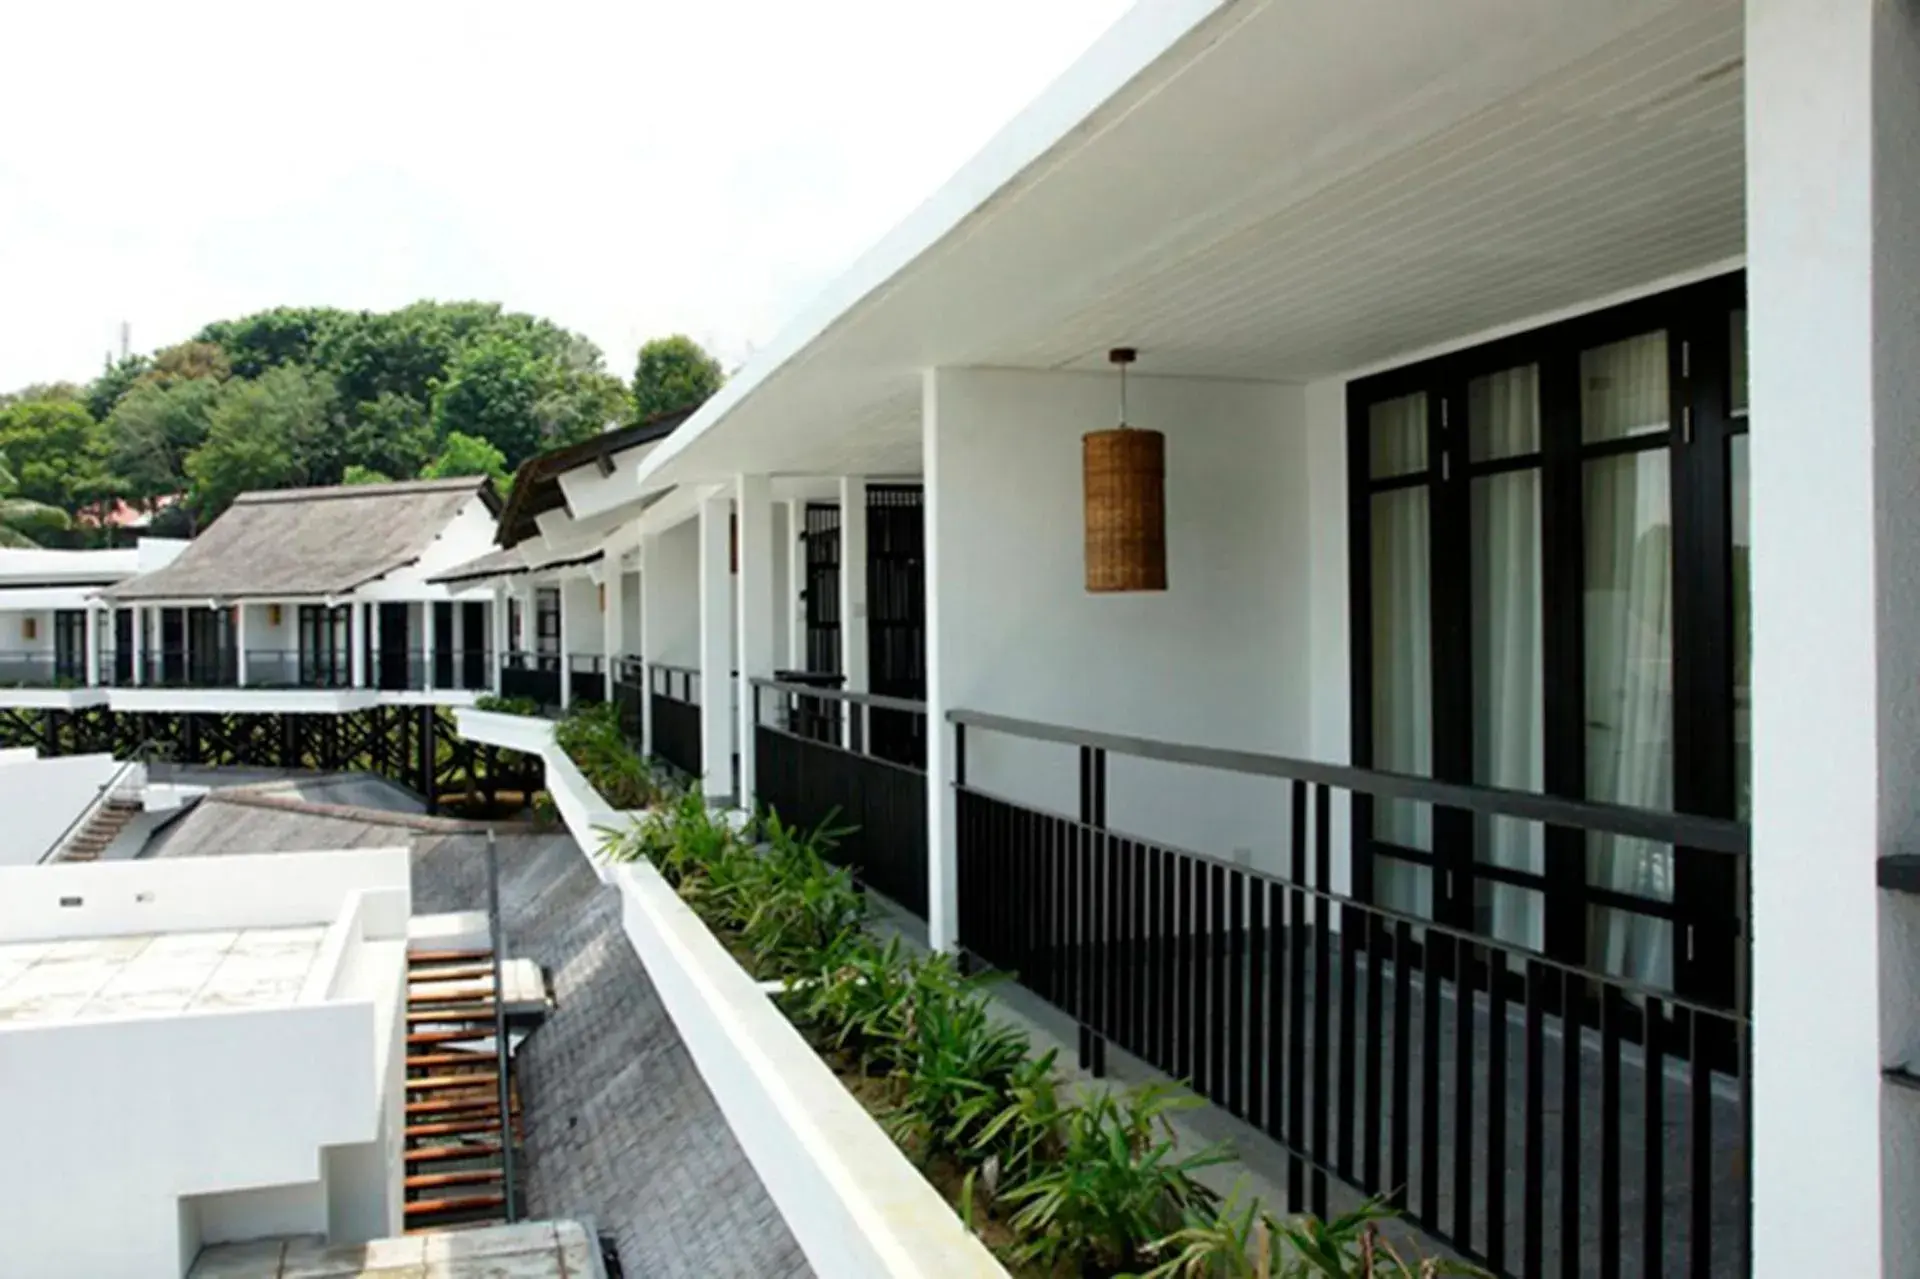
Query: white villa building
(1530, 664)
(51, 637)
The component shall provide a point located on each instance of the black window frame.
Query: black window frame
(1707, 906)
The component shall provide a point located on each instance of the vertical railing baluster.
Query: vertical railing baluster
(1198, 1009)
(1376, 1046)
(1700, 1138)
(1653, 1143)
(1534, 1156)
(1217, 983)
(1276, 962)
(1351, 922)
(1167, 899)
(1573, 994)
(1236, 994)
(1402, 1054)
(1256, 1001)
(1496, 1194)
(1432, 975)
(1609, 1132)
(1121, 856)
(1463, 984)
(1137, 963)
(1185, 979)
(1297, 1003)
(1322, 990)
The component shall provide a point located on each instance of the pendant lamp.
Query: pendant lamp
(1125, 475)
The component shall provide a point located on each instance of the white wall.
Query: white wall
(1222, 658)
(467, 537)
(1833, 142)
(261, 890)
(630, 613)
(586, 631)
(39, 798)
(673, 582)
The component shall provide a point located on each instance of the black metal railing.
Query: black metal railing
(189, 668)
(675, 698)
(283, 668)
(1539, 1116)
(587, 677)
(629, 693)
(39, 670)
(813, 767)
(534, 676)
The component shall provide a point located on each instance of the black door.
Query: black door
(172, 665)
(473, 652)
(897, 617)
(822, 588)
(123, 646)
(443, 657)
(392, 662)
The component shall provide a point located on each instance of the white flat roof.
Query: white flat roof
(147, 974)
(528, 1250)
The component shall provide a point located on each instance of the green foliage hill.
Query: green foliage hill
(315, 395)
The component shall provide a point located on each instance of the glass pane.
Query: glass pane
(1628, 611)
(1623, 389)
(1737, 345)
(1742, 629)
(1503, 414)
(1397, 436)
(1508, 689)
(1402, 685)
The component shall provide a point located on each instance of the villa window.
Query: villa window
(1550, 595)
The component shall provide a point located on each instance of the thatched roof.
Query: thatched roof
(310, 542)
(536, 485)
(508, 563)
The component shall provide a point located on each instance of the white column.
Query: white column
(613, 613)
(943, 848)
(357, 641)
(1833, 247)
(93, 646)
(796, 585)
(716, 647)
(567, 621)
(139, 644)
(652, 580)
(498, 617)
(754, 499)
(373, 639)
(427, 627)
(853, 581)
(458, 642)
(186, 643)
(240, 644)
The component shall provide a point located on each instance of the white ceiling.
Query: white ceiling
(1292, 190)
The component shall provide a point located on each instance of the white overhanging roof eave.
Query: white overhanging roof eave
(1138, 39)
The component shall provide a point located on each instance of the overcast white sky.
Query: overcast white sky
(627, 169)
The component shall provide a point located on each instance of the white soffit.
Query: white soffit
(1290, 190)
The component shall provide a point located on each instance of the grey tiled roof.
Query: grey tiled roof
(308, 542)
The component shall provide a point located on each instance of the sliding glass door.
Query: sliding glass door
(1550, 596)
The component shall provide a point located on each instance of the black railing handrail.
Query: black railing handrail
(1683, 830)
(879, 701)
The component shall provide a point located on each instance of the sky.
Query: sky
(626, 169)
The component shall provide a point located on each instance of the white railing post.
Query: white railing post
(754, 500)
(716, 645)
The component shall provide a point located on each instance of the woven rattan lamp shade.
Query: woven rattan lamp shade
(1126, 510)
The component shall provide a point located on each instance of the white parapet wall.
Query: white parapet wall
(856, 1206)
(40, 799)
(196, 1051)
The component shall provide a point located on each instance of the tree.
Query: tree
(264, 433)
(357, 474)
(465, 455)
(270, 339)
(151, 433)
(57, 453)
(392, 434)
(186, 362)
(673, 373)
(491, 393)
(19, 514)
(115, 380)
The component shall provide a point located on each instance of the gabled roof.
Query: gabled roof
(310, 542)
(536, 485)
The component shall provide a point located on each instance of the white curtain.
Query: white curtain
(1629, 646)
(1508, 693)
(1402, 659)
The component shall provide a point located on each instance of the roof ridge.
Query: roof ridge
(328, 492)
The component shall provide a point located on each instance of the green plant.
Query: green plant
(545, 812)
(507, 705)
(1119, 1184)
(590, 735)
(1243, 1241)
